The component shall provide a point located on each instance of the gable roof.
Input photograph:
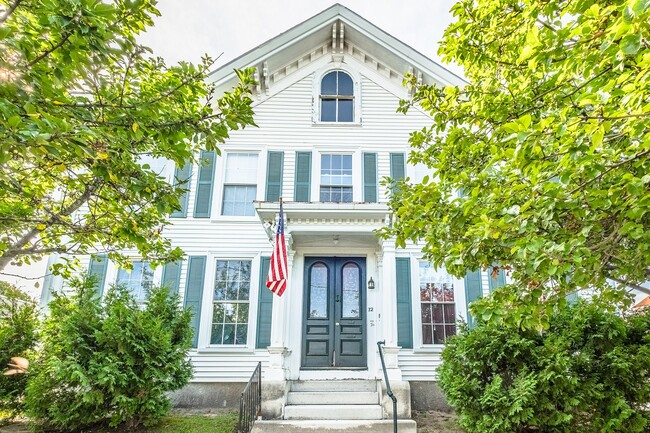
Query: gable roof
(329, 28)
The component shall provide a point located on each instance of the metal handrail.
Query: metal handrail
(250, 402)
(389, 392)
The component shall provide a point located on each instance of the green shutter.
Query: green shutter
(404, 319)
(496, 281)
(171, 277)
(264, 307)
(473, 291)
(194, 292)
(397, 166)
(370, 177)
(97, 269)
(181, 177)
(204, 185)
(274, 176)
(303, 176)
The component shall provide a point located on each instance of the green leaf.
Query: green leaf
(631, 44)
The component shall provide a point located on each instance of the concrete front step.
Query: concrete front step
(334, 385)
(329, 397)
(333, 412)
(334, 426)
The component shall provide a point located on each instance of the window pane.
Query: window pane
(318, 292)
(231, 308)
(328, 85)
(328, 110)
(241, 168)
(426, 313)
(346, 109)
(345, 84)
(138, 281)
(438, 334)
(238, 200)
(427, 334)
(437, 303)
(351, 291)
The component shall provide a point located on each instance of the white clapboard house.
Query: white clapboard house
(328, 133)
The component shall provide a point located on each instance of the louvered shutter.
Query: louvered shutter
(194, 292)
(204, 185)
(274, 176)
(404, 316)
(182, 176)
(97, 269)
(303, 176)
(171, 277)
(473, 291)
(264, 307)
(370, 177)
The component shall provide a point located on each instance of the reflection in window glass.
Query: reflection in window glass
(438, 308)
(351, 289)
(336, 178)
(337, 98)
(318, 292)
(240, 184)
(231, 296)
(137, 281)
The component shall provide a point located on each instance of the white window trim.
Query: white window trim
(356, 81)
(416, 314)
(220, 182)
(207, 309)
(357, 169)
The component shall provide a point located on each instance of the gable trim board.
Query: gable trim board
(323, 22)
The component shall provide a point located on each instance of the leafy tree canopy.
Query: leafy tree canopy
(540, 162)
(83, 106)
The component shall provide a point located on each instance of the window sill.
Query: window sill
(319, 124)
(226, 349)
(235, 219)
(432, 348)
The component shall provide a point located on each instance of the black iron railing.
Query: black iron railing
(250, 402)
(389, 392)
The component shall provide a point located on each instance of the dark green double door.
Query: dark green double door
(334, 328)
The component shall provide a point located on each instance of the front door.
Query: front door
(334, 329)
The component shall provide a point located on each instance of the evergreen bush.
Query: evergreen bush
(109, 361)
(18, 335)
(589, 372)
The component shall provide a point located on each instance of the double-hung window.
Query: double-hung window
(336, 178)
(231, 302)
(337, 97)
(437, 305)
(240, 184)
(137, 281)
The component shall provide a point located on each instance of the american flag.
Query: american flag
(277, 278)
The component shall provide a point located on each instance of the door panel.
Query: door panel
(334, 318)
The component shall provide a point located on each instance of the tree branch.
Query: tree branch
(632, 285)
(9, 11)
(610, 168)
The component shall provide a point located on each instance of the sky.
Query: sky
(188, 29)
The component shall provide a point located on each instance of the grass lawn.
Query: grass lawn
(169, 424)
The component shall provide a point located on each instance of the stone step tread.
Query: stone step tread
(334, 411)
(329, 397)
(351, 426)
(334, 385)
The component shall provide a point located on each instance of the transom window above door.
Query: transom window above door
(336, 178)
(337, 97)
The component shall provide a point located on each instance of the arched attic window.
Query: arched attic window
(337, 97)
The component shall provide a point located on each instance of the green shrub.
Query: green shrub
(109, 361)
(589, 372)
(18, 334)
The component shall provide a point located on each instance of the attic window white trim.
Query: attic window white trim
(318, 96)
